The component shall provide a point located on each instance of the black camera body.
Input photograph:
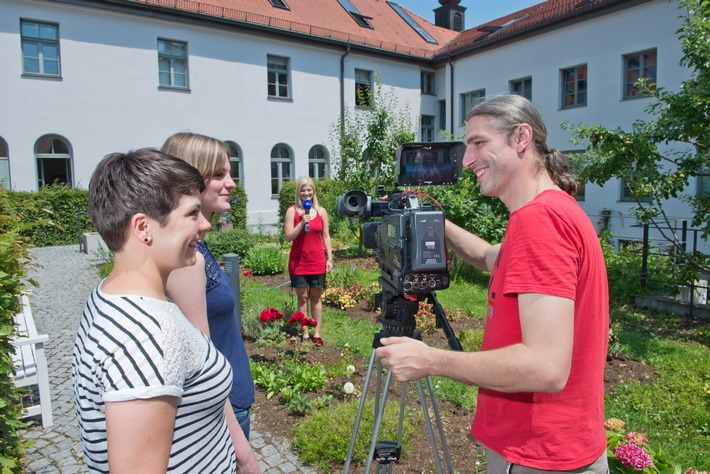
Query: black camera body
(409, 243)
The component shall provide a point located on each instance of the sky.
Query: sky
(477, 11)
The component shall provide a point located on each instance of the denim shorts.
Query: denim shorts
(305, 281)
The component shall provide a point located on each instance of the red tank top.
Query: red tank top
(307, 255)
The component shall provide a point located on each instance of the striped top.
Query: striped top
(135, 347)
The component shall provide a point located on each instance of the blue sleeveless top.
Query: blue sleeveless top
(224, 331)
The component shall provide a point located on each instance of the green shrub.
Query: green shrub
(237, 241)
(238, 211)
(57, 214)
(266, 259)
(12, 254)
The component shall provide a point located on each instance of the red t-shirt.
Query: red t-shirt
(307, 255)
(550, 247)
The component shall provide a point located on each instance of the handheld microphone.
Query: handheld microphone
(307, 205)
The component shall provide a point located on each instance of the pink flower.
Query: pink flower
(270, 314)
(614, 424)
(633, 455)
(638, 439)
(296, 317)
(293, 340)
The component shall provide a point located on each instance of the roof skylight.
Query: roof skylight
(279, 4)
(357, 16)
(410, 21)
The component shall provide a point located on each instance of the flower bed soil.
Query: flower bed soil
(463, 448)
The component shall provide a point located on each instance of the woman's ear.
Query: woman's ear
(139, 228)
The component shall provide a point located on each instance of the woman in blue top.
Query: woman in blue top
(205, 289)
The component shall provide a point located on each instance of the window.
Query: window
(704, 183)
(4, 165)
(427, 128)
(522, 87)
(627, 193)
(278, 71)
(280, 167)
(410, 21)
(236, 169)
(54, 161)
(318, 166)
(639, 66)
(172, 63)
(363, 88)
(442, 115)
(359, 18)
(468, 100)
(574, 87)
(279, 4)
(428, 86)
(40, 48)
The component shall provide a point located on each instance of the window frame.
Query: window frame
(273, 67)
(703, 183)
(236, 163)
(428, 129)
(364, 87)
(574, 86)
(67, 158)
(428, 82)
(279, 161)
(442, 115)
(5, 164)
(41, 43)
(522, 82)
(173, 59)
(280, 4)
(467, 100)
(641, 72)
(316, 162)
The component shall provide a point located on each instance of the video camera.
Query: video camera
(408, 243)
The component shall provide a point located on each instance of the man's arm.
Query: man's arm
(540, 363)
(470, 247)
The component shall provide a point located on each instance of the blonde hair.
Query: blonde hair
(300, 183)
(205, 153)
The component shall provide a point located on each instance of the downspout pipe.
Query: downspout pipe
(342, 86)
(451, 92)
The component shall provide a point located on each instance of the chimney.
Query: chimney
(450, 15)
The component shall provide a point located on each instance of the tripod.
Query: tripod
(388, 452)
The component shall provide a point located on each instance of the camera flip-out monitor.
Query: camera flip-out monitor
(429, 163)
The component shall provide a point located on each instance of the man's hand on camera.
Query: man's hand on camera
(405, 356)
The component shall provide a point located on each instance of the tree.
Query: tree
(367, 140)
(679, 125)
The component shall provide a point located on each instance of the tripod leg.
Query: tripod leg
(358, 418)
(440, 425)
(378, 421)
(430, 431)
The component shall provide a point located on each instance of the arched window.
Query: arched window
(318, 162)
(4, 164)
(54, 161)
(281, 166)
(236, 168)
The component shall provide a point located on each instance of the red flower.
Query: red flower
(247, 273)
(296, 317)
(306, 321)
(270, 314)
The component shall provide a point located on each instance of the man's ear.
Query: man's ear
(523, 137)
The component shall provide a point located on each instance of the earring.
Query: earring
(145, 239)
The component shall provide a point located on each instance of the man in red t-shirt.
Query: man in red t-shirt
(541, 365)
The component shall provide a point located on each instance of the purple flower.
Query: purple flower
(633, 455)
(638, 439)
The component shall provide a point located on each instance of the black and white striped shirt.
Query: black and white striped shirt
(134, 347)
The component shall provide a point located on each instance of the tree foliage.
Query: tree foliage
(659, 156)
(367, 140)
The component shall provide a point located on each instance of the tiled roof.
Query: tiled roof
(328, 19)
(524, 21)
